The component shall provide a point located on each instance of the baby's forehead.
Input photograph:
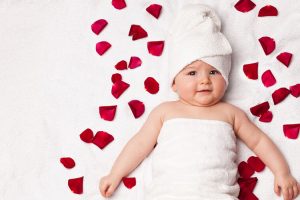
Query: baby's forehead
(198, 65)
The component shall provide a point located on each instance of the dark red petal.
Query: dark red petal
(102, 47)
(134, 62)
(245, 170)
(98, 26)
(251, 70)
(129, 182)
(259, 109)
(291, 130)
(102, 139)
(268, 79)
(244, 5)
(268, 10)
(116, 77)
(154, 10)
(87, 135)
(107, 112)
(118, 88)
(67, 162)
(247, 184)
(285, 58)
(266, 117)
(155, 48)
(256, 164)
(76, 185)
(247, 196)
(121, 65)
(137, 32)
(118, 4)
(279, 95)
(151, 85)
(295, 90)
(268, 44)
(137, 107)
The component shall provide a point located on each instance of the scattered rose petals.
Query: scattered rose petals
(291, 130)
(247, 184)
(134, 62)
(266, 117)
(154, 10)
(268, 10)
(285, 58)
(76, 185)
(155, 48)
(244, 5)
(279, 95)
(102, 47)
(137, 107)
(67, 162)
(121, 65)
(87, 135)
(137, 32)
(259, 109)
(119, 88)
(118, 4)
(245, 170)
(295, 90)
(268, 78)
(268, 44)
(116, 77)
(98, 26)
(102, 139)
(129, 182)
(247, 195)
(251, 70)
(151, 85)
(107, 112)
(256, 164)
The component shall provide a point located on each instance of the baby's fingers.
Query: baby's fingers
(286, 194)
(110, 190)
(277, 189)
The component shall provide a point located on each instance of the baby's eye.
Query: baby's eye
(214, 72)
(192, 73)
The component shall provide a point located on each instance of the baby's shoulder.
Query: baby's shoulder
(231, 110)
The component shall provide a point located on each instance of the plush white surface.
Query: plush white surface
(52, 82)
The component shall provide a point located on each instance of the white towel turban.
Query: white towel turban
(195, 35)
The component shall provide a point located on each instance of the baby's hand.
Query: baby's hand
(287, 185)
(108, 185)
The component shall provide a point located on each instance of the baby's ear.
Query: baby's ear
(174, 88)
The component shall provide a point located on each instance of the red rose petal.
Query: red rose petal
(256, 164)
(268, 10)
(121, 65)
(251, 70)
(245, 170)
(291, 130)
(107, 112)
(137, 32)
(151, 85)
(98, 26)
(295, 90)
(268, 44)
(134, 62)
(244, 5)
(118, 4)
(279, 95)
(116, 77)
(137, 107)
(247, 196)
(102, 47)
(247, 184)
(266, 117)
(155, 48)
(102, 139)
(154, 10)
(268, 79)
(119, 88)
(129, 182)
(87, 135)
(259, 109)
(285, 58)
(76, 185)
(67, 162)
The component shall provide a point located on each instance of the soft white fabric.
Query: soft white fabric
(194, 159)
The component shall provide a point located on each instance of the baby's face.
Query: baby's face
(199, 84)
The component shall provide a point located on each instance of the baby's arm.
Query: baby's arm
(266, 150)
(135, 151)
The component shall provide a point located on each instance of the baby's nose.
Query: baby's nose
(204, 79)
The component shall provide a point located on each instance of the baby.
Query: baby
(195, 135)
